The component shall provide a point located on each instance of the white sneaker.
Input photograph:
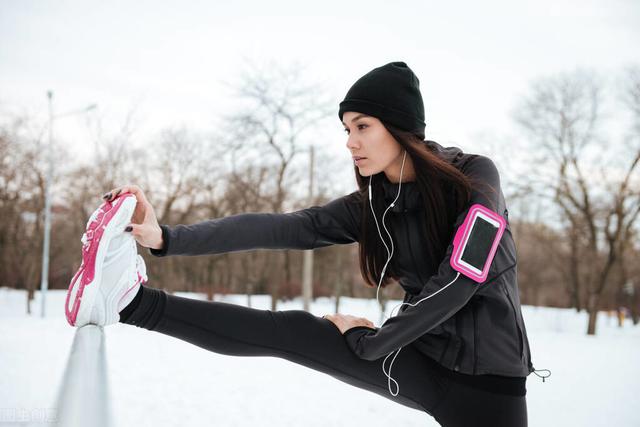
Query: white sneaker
(111, 271)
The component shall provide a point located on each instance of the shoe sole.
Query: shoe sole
(86, 281)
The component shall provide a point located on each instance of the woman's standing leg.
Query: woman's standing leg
(294, 335)
(465, 406)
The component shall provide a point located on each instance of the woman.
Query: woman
(465, 353)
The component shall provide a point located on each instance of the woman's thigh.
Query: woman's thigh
(304, 339)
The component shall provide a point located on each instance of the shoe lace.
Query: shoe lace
(87, 236)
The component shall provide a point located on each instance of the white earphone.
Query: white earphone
(390, 254)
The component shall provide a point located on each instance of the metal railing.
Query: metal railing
(83, 397)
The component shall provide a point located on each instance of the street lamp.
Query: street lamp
(44, 282)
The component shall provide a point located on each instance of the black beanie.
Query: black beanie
(390, 93)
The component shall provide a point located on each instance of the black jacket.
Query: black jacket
(473, 328)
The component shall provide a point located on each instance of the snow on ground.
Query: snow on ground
(156, 380)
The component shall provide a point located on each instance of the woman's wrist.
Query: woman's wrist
(159, 242)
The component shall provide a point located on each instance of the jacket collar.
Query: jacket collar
(410, 198)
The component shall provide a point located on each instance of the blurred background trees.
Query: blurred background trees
(573, 199)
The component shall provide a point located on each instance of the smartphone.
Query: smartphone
(476, 242)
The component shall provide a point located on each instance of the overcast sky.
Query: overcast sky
(169, 58)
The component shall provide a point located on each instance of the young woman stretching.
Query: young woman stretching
(461, 355)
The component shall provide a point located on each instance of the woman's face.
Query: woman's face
(369, 138)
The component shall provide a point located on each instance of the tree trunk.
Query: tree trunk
(592, 309)
(339, 286)
(275, 283)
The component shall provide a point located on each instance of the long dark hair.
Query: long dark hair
(445, 192)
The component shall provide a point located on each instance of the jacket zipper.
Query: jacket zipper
(413, 261)
(415, 267)
(475, 339)
(530, 365)
(456, 365)
(515, 318)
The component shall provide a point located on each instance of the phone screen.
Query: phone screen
(479, 243)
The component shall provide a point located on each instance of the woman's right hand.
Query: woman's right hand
(344, 322)
(144, 224)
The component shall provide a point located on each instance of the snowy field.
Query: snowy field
(155, 380)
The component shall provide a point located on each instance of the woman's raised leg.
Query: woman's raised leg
(294, 335)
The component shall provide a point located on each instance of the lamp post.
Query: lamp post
(44, 282)
(307, 260)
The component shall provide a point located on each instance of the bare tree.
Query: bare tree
(185, 178)
(596, 201)
(270, 129)
(23, 163)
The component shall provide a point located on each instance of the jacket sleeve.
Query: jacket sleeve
(415, 321)
(337, 222)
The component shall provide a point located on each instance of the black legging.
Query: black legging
(314, 342)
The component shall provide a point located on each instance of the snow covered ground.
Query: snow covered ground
(155, 380)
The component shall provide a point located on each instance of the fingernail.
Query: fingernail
(106, 195)
(118, 192)
(129, 228)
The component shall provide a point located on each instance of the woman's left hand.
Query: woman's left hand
(345, 322)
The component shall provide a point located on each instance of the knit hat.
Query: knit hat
(392, 94)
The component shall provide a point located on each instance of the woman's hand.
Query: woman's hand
(345, 322)
(144, 224)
